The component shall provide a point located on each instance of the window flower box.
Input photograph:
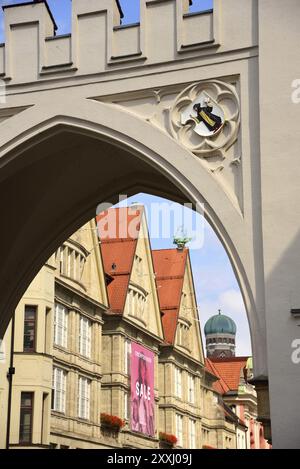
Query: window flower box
(111, 422)
(167, 439)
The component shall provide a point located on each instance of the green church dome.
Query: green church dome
(219, 324)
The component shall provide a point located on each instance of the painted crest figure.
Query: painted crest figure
(206, 114)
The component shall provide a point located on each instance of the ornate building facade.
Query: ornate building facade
(105, 350)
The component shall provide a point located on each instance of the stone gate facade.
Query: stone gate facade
(100, 112)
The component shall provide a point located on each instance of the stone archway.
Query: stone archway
(55, 126)
(58, 164)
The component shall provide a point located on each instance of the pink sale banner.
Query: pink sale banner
(142, 390)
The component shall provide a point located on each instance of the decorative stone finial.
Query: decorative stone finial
(181, 239)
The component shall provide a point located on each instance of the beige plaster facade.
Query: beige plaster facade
(93, 114)
(192, 399)
(70, 292)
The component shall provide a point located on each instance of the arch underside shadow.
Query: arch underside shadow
(52, 182)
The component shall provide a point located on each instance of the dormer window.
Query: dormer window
(70, 261)
(137, 303)
(184, 335)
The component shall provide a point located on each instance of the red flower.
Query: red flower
(112, 421)
(168, 438)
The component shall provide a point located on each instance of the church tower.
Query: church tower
(220, 332)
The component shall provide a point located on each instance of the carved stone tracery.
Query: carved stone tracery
(226, 97)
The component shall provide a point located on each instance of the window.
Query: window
(44, 417)
(179, 425)
(85, 337)
(48, 326)
(191, 389)
(26, 415)
(192, 433)
(184, 335)
(59, 390)
(71, 262)
(127, 357)
(178, 381)
(137, 304)
(61, 325)
(84, 398)
(29, 328)
(62, 256)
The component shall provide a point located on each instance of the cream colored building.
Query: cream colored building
(97, 112)
(73, 334)
(80, 300)
(133, 316)
(189, 406)
(56, 391)
(30, 366)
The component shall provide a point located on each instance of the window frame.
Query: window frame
(192, 395)
(86, 398)
(178, 382)
(23, 408)
(85, 337)
(179, 429)
(62, 391)
(35, 309)
(64, 325)
(192, 434)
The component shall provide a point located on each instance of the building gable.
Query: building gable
(142, 304)
(188, 334)
(79, 264)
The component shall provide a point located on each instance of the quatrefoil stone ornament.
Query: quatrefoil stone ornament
(205, 118)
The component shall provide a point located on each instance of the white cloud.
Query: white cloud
(232, 301)
(231, 304)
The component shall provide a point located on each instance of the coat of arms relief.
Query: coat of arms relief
(205, 118)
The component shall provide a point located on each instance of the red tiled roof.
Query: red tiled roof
(219, 386)
(118, 246)
(230, 370)
(169, 266)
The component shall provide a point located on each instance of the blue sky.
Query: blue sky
(61, 10)
(215, 283)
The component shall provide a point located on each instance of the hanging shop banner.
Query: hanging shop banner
(142, 390)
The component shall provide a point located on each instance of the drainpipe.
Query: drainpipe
(10, 374)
